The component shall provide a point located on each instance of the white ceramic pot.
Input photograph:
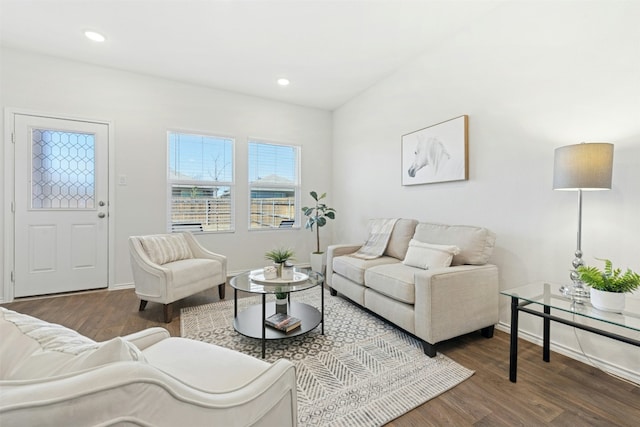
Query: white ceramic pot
(281, 305)
(318, 262)
(608, 301)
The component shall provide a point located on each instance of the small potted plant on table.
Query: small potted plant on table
(608, 286)
(280, 257)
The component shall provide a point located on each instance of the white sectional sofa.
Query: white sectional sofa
(412, 286)
(52, 376)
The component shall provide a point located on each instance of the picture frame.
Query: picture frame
(437, 153)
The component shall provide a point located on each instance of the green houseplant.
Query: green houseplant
(280, 256)
(609, 285)
(317, 216)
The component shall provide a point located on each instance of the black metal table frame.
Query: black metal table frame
(517, 306)
(264, 313)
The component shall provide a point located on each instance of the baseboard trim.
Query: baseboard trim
(603, 365)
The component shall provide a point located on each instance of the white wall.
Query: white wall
(142, 109)
(531, 79)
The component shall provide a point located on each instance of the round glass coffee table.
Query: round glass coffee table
(251, 321)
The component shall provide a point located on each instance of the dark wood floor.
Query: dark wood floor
(561, 393)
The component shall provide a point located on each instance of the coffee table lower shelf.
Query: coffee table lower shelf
(250, 322)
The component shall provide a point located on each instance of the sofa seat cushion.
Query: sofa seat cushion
(33, 348)
(396, 281)
(353, 268)
(188, 271)
(475, 243)
(204, 366)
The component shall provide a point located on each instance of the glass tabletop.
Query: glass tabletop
(546, 294)
(243, 282)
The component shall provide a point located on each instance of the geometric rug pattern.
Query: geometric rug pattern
(361, 372)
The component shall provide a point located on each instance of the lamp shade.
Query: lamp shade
(586, 166)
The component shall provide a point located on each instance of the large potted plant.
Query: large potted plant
(608, 286)
(317, 216)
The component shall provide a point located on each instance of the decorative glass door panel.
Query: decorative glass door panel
(62, 170)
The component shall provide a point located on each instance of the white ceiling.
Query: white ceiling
(331, 50)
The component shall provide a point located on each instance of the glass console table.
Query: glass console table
(540, 298)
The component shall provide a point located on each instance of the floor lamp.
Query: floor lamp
(581, 167)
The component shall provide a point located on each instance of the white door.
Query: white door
(61, 205)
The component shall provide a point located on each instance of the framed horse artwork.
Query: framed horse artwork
(437, 153)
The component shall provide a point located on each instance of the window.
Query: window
(274, 184)
(201, 182)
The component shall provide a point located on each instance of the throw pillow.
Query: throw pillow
(163, 249)
(55, 350)
(426, 255)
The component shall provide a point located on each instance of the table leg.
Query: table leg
(235, 303)
(322, 307)
(546, 334)
(513, 350)
(264, 316)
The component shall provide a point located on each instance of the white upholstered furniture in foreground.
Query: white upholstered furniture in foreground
(411, 288)
(169, 267)
(52, 376)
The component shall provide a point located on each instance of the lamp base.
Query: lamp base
(576, 291)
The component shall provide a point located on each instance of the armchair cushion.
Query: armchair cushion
(38, 349)
(188, 271)
(163, 249)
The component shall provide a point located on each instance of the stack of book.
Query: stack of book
(283, 322)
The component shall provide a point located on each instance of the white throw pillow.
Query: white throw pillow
(166, 248)
(426, 255)
(51, 349)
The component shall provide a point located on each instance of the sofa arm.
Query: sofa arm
(456, 300)
(147, 337)
(334, 251)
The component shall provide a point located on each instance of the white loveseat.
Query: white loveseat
(433, 302)
(52, 376)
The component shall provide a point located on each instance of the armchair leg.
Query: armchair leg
(429, 349)
(168, 313)
(143, 304)
(488, 331)
(221, 289)
(333, 292)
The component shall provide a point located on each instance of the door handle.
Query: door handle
(101, 215)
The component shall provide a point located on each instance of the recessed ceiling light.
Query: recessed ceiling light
(96, 37)
(283, 82)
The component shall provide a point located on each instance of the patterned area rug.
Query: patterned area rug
(361, 372)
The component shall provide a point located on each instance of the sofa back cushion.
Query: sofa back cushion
(402, 233)
(475, 243)
(166, 248)
(32, 348)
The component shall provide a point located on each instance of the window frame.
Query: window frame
(297, 185)
(202, 183)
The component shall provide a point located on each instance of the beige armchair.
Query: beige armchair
(169, 267)
(53, 376)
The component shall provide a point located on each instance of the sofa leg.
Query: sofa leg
(429, 349)
(221, 289)
(143, 304)
(488, 331)
(332, 292)
(168, 313)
